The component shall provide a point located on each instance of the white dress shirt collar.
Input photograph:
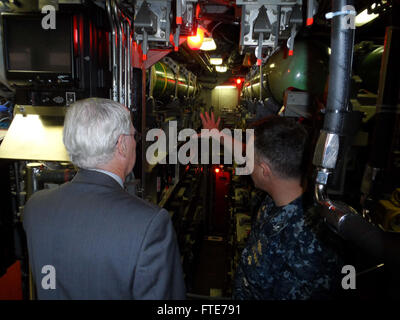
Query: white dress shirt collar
(112, 175)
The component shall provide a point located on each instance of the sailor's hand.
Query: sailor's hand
(209, 123)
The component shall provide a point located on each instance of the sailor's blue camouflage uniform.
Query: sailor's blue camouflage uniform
(284, 258)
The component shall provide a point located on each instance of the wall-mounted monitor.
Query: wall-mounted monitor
(37, 55)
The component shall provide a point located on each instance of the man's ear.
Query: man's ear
(121, 147)
(266, 169)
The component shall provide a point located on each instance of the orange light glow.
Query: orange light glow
(217, 170)
(238, 81)
(195, 42)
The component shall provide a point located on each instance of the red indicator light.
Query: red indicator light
(197, 11)
(195, 42)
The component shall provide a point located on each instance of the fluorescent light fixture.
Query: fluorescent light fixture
(208, 44)
(222, 68)
(216, 61)
(225, 87)
(363, 18)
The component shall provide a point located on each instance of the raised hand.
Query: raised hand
(209, 123)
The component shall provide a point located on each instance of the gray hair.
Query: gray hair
(91, 130)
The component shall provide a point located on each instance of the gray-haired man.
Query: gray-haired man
(102, 242)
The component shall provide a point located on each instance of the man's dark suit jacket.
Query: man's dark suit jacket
(103, 242)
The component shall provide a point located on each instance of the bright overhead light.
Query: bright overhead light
(225, 87)
(222, 68)
(216, 61)
(363, 18)
(208, 44)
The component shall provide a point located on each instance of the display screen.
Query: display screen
(29, 47)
